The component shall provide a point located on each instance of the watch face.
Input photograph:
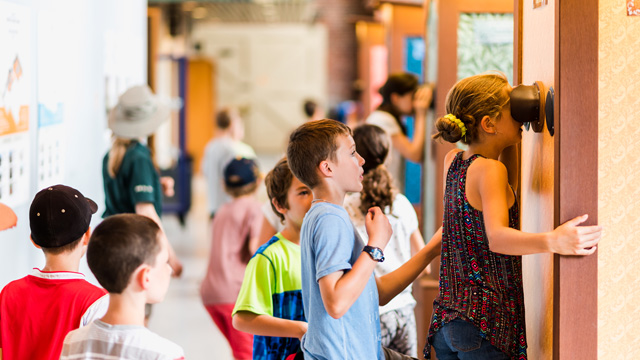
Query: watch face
(375, 253)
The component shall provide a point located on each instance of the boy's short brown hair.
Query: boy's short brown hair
(118, 246)
(61, 249)
(223, 119)
(278, 182)
(310, 144)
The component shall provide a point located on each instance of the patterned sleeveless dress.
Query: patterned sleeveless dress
(476, 284)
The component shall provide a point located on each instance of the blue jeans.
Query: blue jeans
(460, 339)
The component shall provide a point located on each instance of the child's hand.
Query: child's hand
(167, 184)
(571, 239)
(422, 98)
(378, 228)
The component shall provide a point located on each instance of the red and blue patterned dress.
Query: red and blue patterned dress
(476, 284)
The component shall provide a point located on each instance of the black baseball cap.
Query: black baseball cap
(240, 172)
(59, 215)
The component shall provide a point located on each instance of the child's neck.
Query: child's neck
(125, 309)
(490, 151)
(67, 261)
(291, 233)
(325, 193)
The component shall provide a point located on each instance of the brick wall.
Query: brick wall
(340, 16)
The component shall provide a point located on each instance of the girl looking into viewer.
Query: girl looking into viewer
(480, 301)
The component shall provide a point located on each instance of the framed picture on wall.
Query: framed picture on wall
(633, 7)
(539, 3)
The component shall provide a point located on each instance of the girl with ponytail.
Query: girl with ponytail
(397, 320)
(479, 312)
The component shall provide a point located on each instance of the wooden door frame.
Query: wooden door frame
(448, 14)
(575, 288)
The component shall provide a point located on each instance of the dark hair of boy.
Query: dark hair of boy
(236, 192)
(310, 108)
(61, 249)
(278, 182)
(310, 144)
(118, 246)
(372, 143)
(223, 119)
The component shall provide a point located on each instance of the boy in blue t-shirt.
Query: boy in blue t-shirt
(339, 291)
(270, 301)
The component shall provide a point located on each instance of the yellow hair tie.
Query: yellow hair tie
(458, 122)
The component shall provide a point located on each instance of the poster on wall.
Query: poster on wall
(633, 7)
(15, 92)
(53, 84)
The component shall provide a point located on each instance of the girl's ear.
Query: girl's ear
(325, 168)
(487, 125)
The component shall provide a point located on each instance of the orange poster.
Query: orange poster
(633, 7)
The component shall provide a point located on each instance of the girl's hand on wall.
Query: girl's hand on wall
(572, 239)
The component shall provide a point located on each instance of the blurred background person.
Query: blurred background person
(131, 180)
(401, 96)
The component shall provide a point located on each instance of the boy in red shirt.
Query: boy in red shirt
(37, 311)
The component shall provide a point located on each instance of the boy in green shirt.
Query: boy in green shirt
(270, 301)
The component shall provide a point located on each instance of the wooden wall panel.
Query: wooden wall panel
(576, 175)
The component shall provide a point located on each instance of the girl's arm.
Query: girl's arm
(416, 241)
(511, 160)
(339, 290)
(413, 150)
(148, 210)
(265, 325)
(567, 239)
(393, 283)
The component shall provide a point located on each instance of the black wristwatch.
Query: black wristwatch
(375, 253)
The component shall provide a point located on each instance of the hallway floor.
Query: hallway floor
(181, 317)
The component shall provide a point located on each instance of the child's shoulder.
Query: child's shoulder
(486, 166)
(327, 212)
(487, 171)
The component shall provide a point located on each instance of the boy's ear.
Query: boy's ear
(281, 210)
(487, 125)
(142, 277)
(325, 168)
(34, 244)
(86, 237)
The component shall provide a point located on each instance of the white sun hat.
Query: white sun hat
(138, 113)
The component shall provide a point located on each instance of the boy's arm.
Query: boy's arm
(394, 282)
(147, 209)
(339, 290)
(266, 325)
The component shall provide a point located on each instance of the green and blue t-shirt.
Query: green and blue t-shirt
(272, 286)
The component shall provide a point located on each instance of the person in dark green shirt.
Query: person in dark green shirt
(131, 182)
